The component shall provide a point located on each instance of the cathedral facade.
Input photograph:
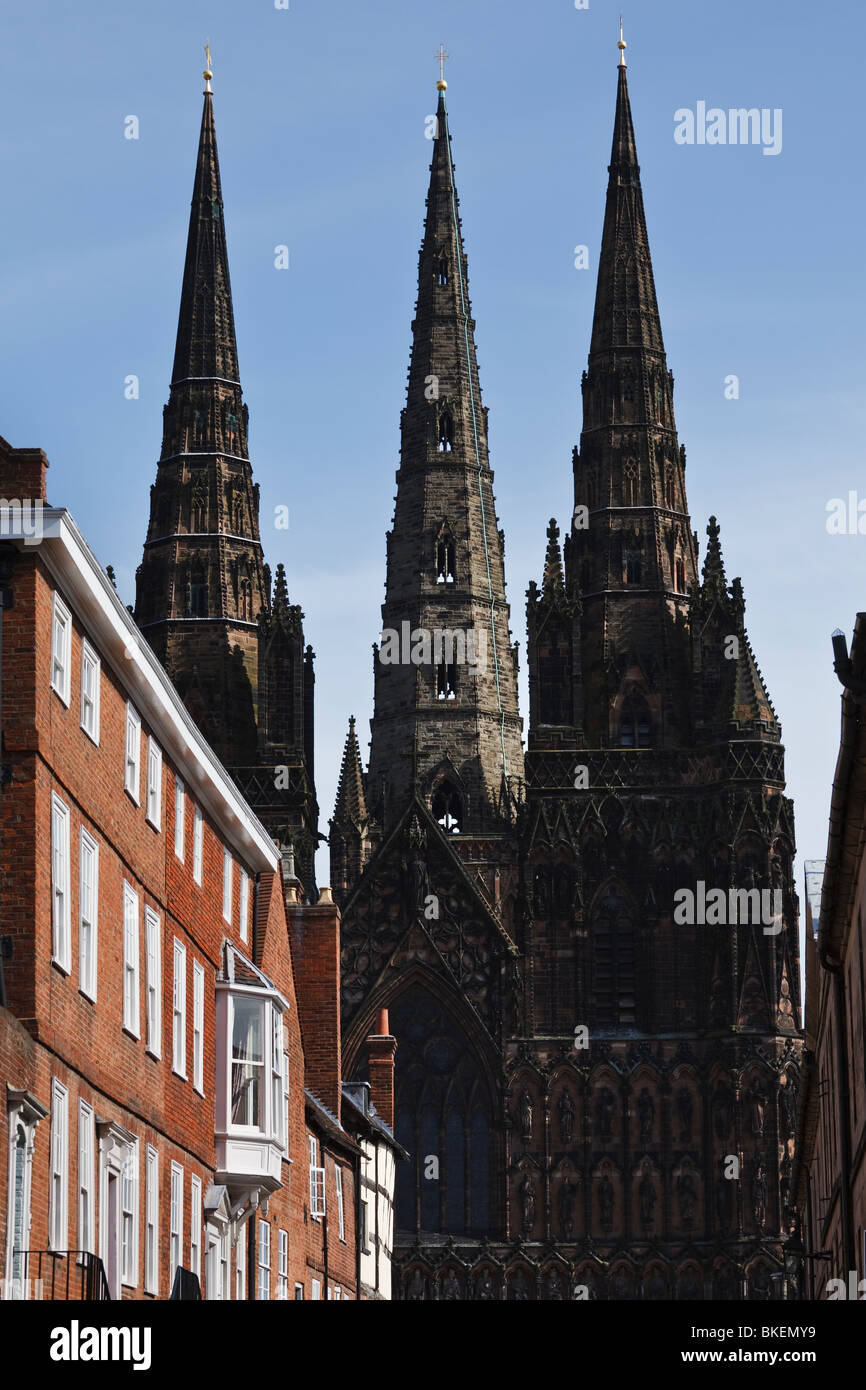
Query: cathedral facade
(588, 949)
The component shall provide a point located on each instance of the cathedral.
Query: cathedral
(597, 1087)
(598, 1026)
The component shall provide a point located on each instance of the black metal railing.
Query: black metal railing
(58, 1276)
(185, 1286)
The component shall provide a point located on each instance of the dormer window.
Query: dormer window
(442, 271)
(446, 432)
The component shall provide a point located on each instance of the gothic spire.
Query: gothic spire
(206, 344)
(626, 310)
(351, 804)
(463, 701)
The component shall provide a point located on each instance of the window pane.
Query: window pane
(247, 1061)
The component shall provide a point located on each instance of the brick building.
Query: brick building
(159, 1115)
(604, 1086)
(830, 1170)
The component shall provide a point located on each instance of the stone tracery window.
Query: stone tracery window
(447, 806)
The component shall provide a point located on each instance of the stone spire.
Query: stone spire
(351, 803)
(445, 710)
(202, 589)
(632, 554)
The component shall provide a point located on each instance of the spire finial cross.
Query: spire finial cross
(440, 58)
(621, 45)
(207, 74)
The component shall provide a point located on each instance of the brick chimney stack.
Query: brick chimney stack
(315, 940)
(381, 1047)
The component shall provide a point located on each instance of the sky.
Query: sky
(321, 115)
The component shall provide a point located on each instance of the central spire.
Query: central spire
(448, 712)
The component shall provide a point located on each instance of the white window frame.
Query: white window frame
(341, 1222)
(131, 990)
(195, 1225)
(179, 818)
(316, 1289)
(61, 649)
(86, 1177)
(228, 883)
(132, 754)
(282, 1266)
(153, 811)
(61, 914)
(263, 1262)
(198, 1026)
(240, 1269)
(24, 1113)
(244, 925)
(151, 1220)
(197, 844)
(178, 1009)
(276, 1125)
(175, 1234)
(153, 981)
(90, 699)
(59, 1193)
(317, 1181)
(129, 1217)
(88, 915)
(286, 1093)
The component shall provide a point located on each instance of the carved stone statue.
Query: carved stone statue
(684, 1110)
(646, 1114)
(519, 1290)
(647, 1194)
(789, 1107)
(417, 1286)
(566, 1116)
(604, 1106)
(723, 1109)
(687, 1193)
(451, 1287)
(485, 1289)
(553, 1287)
(757, 1106)
(606, 1197)
(524, 1107)
(656, 1287)
(527, 1203)
(566, 1208)
(759, 1195)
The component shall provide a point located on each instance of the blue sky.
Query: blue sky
(320, 114)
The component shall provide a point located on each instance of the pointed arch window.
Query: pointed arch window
(629, 483)
(447, 807)
(613, 963)
(443, 1108)
(446, 432)
(680, 577)
(635, 729)
(445, 558)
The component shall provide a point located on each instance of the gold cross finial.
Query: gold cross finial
(440, 58)
(621, 45)
(207, 74)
